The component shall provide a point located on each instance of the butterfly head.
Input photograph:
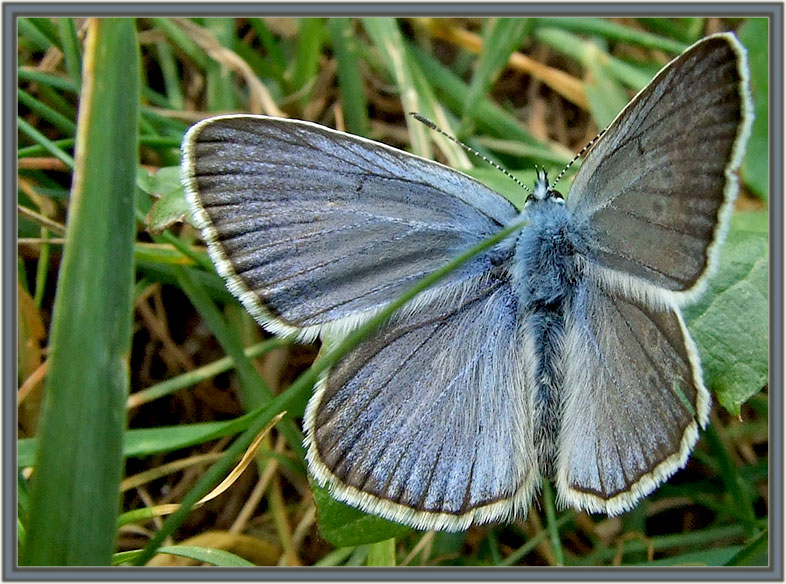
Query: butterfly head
(543, 191)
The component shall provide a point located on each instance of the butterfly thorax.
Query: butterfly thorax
(544, 274)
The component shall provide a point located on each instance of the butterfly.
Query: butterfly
(558, 353)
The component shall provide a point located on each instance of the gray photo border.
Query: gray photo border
(12, 11)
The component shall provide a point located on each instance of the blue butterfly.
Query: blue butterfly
(559, 353)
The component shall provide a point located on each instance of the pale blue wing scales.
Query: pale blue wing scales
(313, 226)
(429, 421)
(634, 400)
(655, 192)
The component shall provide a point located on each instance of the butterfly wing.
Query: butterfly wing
(655, 192)
(311, 226)
(634, 400)
(428, 422)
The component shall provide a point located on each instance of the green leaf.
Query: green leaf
(382, 553)
(344, 526)
(731, 322)
(171, 206)
(754, 34)
(76, 487)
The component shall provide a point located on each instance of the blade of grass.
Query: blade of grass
(55, 81)
(501, 37)
(273, 55)
(734, 484)
(201, 373)
(577, 48)
(311, 34)
(755, 553)
(389, 43)
(690, 539)
(76, 488)
(605, 95)
(69, 41)
(45, 142)
(534, 541)
(166, 59)
(30, 31)
(350, 83)
(488, 116)
(551, 522)
(614, 31)
(219, 78)
(180, 39)
(48, 113)
(687, 30)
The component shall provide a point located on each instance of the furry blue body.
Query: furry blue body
(545, 274)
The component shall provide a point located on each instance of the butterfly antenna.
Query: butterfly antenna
(434, 127)
(579, 155)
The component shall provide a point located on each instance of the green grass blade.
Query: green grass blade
(605, 95)
(755, 553)
(51, 115)
(551, 521)
(166, 58)
(45, 142)
(534, 541)
(71, 48)
(215, 557)
(755, 35)
(350, 83)
(488, 116)
(582, 50)
(310, 37)
(389, 43)
(687, 30)
(200, 374)
(614, 31)
(75, 494)
(181, 40)
(30, 32)
(501, 37)
(219, 78)
(54, 81)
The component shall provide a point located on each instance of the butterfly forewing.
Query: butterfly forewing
(655, 192)
(313, 226)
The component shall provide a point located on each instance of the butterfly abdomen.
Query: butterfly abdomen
(544, 275)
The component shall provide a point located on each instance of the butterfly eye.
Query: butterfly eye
(556, 195)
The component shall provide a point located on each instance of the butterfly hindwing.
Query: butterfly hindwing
(634, 399)
(428, 421)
